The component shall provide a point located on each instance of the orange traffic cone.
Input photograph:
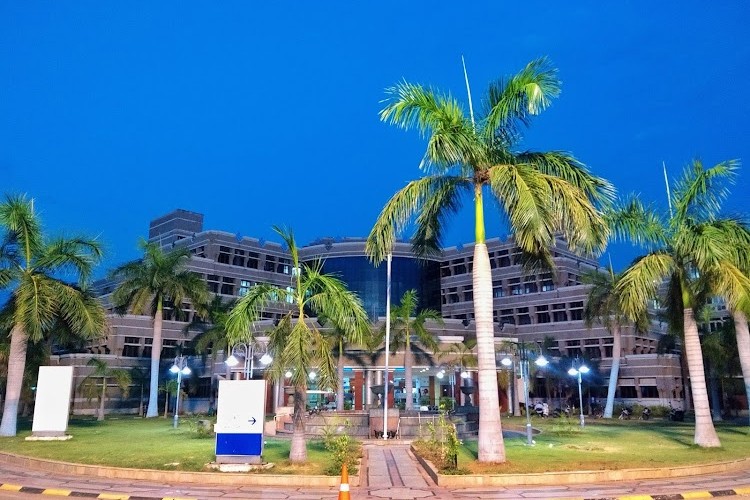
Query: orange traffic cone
(344, 488)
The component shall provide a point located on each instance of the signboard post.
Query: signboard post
(240, 417)
(52, 403)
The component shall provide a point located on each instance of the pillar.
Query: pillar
(355, 386)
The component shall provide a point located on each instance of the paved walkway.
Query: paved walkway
(389, 472)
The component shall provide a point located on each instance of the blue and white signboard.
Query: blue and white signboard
(239, 421)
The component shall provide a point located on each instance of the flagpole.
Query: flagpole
(387, 343)
(666, 182)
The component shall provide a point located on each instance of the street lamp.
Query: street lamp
(541, 361)
(573, 372)
(181, 368)
(247, 352)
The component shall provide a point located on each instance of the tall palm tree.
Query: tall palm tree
(297, 343)
(140, 378)
(146, 285)
(541, 195)
(212, 336)
(688, 250)
(738, 302)
(89, 386)
(603, 307)
(340, 339)
(406, 323)
(31, 266)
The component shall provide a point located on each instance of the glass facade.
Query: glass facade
(369, 281)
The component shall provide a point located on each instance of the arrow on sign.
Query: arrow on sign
(252, 421)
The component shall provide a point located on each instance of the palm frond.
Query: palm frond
(248, 310)
(640, 282)
(400, 209)
(564, 166)
(17, 216)
(513, 101)
(630, 220)
(451, 137)
(700, 191)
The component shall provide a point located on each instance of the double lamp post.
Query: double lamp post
(523, 360)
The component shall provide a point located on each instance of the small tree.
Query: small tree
(90, 385)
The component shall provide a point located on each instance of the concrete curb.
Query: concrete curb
(214, 478)
(577, 477)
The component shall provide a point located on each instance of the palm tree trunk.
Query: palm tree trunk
(166, 403)
(705, 434)
(743, 348)
(614, 373)
(212, 385)
(16, 366)
(298, 448)
(408, 379)
(101, 399)
(153, 395)
(340, 372)
(491, 444)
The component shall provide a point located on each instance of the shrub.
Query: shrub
(343, 448)
(441, 448)
(201, 427)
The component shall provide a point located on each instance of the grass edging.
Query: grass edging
(217, 478)
(576, 477)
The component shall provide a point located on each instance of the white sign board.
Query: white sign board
(240, 416)
(52, 404)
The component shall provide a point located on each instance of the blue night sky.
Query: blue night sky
(112, 114)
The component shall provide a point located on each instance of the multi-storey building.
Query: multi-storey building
(544, 308)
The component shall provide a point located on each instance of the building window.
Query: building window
(649, 391)
(515, 286)
(244, 287)
(224, 255)
(132, 347)
(529, 287)
(147, 347)
(169, 348)
(213, 283)
(542, 314)
(270, 264)
(558, 313)
(576, 311)
(227, 287)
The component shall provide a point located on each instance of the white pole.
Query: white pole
(177, 400)
(468, 90)
(387, 343)
(252, 360)
(666, 181)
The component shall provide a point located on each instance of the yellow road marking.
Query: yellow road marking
(636, 497)
(57, 492)
(114, 496)
(745, 490)
(11, 487)
(697, 494)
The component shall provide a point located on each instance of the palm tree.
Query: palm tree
(405, 323)
(542, 195)
(31, 266)
(689, 250)
(297, 344)
(140, 377)
(463, 356)
(603, 307)
(169, 387)
(89, 386)
(147, 285)
(212, 336)
(340, 339)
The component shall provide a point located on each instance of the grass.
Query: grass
(151, 444)
(606, 444)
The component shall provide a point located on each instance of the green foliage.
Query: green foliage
(442, 446)
(201, 427)
(565, 426)
(343, 449)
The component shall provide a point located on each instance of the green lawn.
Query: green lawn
(607, 444)
(150, 444)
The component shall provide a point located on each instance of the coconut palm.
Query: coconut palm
(31, 266)
(149, 284)
(695, 251)
(169, 387)
(340, 339)
(603, 307)
(140, 378)
(541, 195)
(212, 336)
(89, 386)
(406, 323)
(297, 343)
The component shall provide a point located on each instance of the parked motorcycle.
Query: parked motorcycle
(625, 413)
(676, 415)
(646, 413)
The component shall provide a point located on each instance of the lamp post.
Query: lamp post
(247, 352)
(541, 361)
(576, 372)
(181, 368)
